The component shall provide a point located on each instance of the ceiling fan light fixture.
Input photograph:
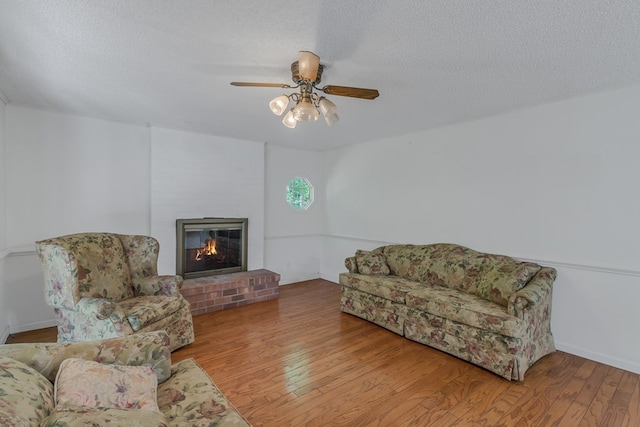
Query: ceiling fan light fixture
(331, 119)
(327, 108)
(279, 104)
(308, 62)
(306, 73)
(289, 121)
(305, 111)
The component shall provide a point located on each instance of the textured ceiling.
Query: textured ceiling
(168, 63)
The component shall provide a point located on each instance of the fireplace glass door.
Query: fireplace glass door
(211, 246)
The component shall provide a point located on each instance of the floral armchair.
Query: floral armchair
(105, 285)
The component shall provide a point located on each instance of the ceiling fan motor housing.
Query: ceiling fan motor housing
(295, 74)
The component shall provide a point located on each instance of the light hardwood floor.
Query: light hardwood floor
(299, 361)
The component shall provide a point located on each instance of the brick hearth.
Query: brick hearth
(214, 293)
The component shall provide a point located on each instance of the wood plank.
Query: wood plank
(597, 410)
(632, 416)
(620, 401)
(299, 361)
(563, 400)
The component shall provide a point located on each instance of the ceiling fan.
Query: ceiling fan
(306, 73)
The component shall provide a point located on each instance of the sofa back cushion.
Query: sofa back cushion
(148, 348)
(26, 396)
(492, 277)
(440, 264)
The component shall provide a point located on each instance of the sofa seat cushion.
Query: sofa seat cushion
(190, 398)
(392, 288)
(467, 309)
(83, 416)
(144, 310)
(496, 352)
(26, 396)
(380, 311)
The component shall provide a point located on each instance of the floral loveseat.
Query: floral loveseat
(490, 310)
(176, 395)
(105, 285)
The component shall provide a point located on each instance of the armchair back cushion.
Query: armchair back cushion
(96, 260)
(141, 253)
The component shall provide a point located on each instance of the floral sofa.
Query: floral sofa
(105, 285)
(134, 384)
(490, 310)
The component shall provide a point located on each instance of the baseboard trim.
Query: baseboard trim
(297, 279)
(329, 279)
(5, 335)
(627, 365)
(16, 329)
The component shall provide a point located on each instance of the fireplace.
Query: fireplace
(211, 246)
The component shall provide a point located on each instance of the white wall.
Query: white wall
(197, 176)
(555, 183)
(68, 174)
(293, 239)
(4, 320)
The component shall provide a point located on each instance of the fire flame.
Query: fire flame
(209, 249)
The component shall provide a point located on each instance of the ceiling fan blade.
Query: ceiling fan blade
(251, 84)
(308, 63)
(354, 92)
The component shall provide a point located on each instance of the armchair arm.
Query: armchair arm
(148, 349)
(157, 285)
(536, 295)
(100, 308)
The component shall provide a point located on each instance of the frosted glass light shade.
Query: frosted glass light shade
(305, 111)
(331, 119)
(288, 120)
(279, 104)
(327, 108)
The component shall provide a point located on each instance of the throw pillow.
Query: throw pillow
(371, 263)
(91, 384)
(498, 280)
(26, 396)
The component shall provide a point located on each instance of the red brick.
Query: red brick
(214, 293)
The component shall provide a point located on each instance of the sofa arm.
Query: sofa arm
(100, 308)
(148, 349)
(351, 264)
(535, 296)
(157, 285)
